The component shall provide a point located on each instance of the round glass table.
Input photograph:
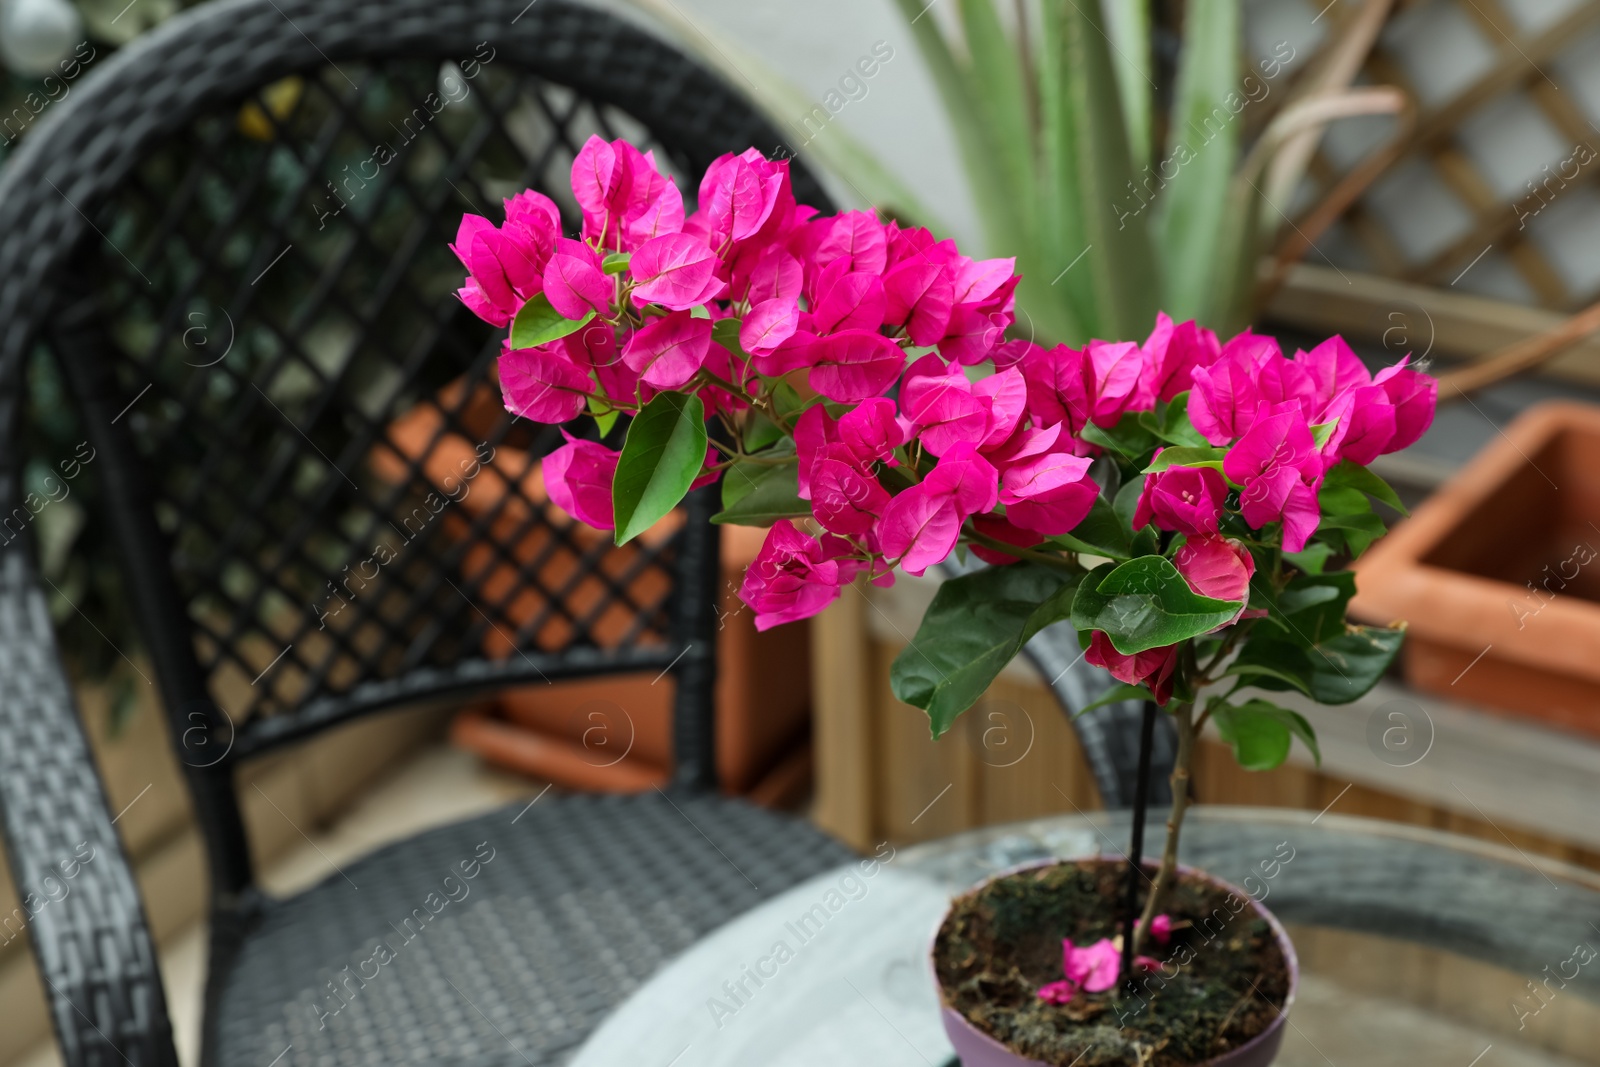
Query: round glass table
(1416, 948)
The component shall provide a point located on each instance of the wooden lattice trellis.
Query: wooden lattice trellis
(1497, 189)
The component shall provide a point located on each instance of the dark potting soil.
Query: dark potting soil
(1223, 978)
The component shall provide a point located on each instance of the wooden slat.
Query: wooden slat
(926, 789)
(1559, 105)
(1419, 319)
(1029, 765)
(1545, 279)
(842, 723)
(1028, 761)
(1495, 22)
(1380, 247)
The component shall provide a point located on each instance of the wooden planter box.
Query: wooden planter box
(1498, 575)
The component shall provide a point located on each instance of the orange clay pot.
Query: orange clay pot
(607, 734)
(1498, 574)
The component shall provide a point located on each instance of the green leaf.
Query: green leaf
(895, 479)
(616, 262)
(1261, 732)
(760, 432)
(1001, 98)
(661, 457)
(981, 153)
(1128, 27)
(1127, 501)
(1312, 559)
(1302, 729)
(1247, 673)
(605, 416)
(1206, 456)
(1127, 438)
(1322, 431)
(976, 624)
(1311, 608)
(1352, 476)
(1202, 152)
(1109, 477)
(1245, 237)
(726, 333)
(1355, 531)
(1101, 533)
(1145, 541)
(1347, 510)
(1342, 500)
(755, 494)
(786, 399)
(1061, 301)
(1333, 671)
(1087, 206)
(1316, 605)
(1145, 603)
(1115, 695)
(537, 323)
(1358, 541)
(1172, 423)
(1120, 251)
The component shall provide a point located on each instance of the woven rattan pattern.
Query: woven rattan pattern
(516, 966)
(250, 349)
(315, 551)
(276, 282)
(82, 907)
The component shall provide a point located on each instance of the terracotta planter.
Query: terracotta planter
(977, 1049)
(1498, 574)
(607, 734)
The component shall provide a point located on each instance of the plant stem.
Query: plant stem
(1021, 553)
(1238, 630)
(725, 385)
(764, 404)
(1141, 798)
(1183, 718)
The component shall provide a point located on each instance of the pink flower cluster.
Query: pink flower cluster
(816, 294)
(1263, 408)
(1245, 396)
(904, 446)
(1014, 439)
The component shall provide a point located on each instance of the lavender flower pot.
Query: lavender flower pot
(978, 1049)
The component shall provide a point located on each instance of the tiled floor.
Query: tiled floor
(438, 786)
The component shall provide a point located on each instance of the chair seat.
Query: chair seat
(501, 940)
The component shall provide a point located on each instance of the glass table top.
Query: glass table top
(1416, 948)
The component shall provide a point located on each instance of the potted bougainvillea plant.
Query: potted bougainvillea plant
(1185, 503)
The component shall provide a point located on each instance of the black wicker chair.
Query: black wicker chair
(232, 241)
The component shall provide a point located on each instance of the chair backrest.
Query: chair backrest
(232, 236)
